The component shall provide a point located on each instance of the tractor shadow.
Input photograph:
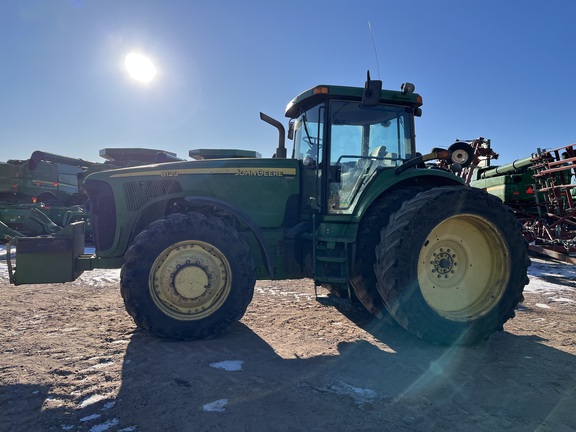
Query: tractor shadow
(385, 380)
(12, 414)
(508, 376)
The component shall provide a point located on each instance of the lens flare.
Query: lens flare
(140, 67)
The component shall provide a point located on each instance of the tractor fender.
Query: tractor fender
(415, 177)
(243, 217)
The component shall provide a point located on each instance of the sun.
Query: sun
(139, 67)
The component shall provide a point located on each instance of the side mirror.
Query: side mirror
(291, 129)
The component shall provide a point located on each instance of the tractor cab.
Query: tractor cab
(343, 139)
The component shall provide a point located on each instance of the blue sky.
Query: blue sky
(501, 69)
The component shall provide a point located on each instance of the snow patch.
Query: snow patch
(542, 305)
(538, 285)
(91, 400)
(108, 405)
(274, 291)
(54, 400)
(541, 269)
(102, 365)
(560, 300)
(216, 406)
(359, 395)
(90, 418)
(228, 365)
(105, 426)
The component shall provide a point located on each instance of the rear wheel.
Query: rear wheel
(187, 277)
(363, 279)
(451, 265)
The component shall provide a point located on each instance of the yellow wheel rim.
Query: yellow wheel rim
(463, 267)
(190, 280)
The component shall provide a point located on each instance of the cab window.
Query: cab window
(363, 140)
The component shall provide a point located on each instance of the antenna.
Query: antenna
(375, 52)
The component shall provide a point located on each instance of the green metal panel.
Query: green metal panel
(386, 180)
(200, 154)
(10, 177)
(49, 259)
(261, 188)
(509, 188)
(516, 167)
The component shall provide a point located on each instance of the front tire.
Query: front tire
(187, 277)
(452, 265)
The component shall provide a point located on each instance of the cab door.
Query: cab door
(309, 148)
(363, 141)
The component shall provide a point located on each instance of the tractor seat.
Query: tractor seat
(379, 152)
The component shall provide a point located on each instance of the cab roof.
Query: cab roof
(316, 94)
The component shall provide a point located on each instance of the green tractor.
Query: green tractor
(354, 207)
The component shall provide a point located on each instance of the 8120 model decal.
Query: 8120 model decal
(174, 173)
(248, 171)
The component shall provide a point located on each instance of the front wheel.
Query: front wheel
(452, 265)
(187, 277)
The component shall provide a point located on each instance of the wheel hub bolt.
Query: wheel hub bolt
(444, 263)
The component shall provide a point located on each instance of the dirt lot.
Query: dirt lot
(72, 359)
